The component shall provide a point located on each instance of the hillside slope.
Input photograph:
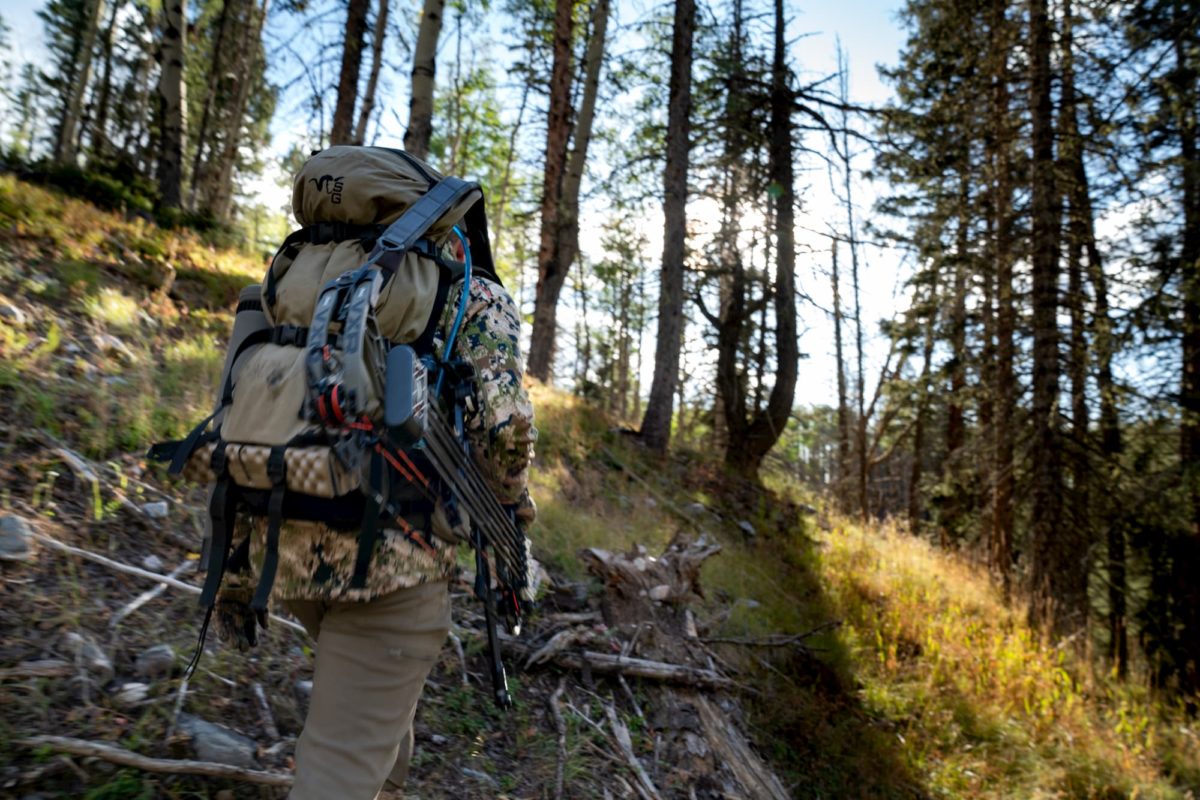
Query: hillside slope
(871, 664)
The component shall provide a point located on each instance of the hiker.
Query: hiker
(377, 635)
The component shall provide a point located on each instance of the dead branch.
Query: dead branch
(561, 726)
(177, 708)
(776, 640)
(127, 758)
(626, 744)
(142, 573)
(574, 617)
(608, 664)
(264, 712)
(148, 595)
(51, 668)
(462, 658)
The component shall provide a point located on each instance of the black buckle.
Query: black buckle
(322, 233)
(219, 460)
(277, 466)
(290, 335)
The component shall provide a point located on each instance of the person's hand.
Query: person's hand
(237, 623)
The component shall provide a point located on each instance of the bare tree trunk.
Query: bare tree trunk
(172, 102)
(1057, 591)
(565, 229)
(501, 206)
(420, 107)
(955, 419)
(1189, 450)
(551, 271)
(202, 169)
(100, 143)
(861, 389)
(621, 406)
(568, 247)
(368, 103)
(914, 487)
(1110, 430)
(251, 59)
(987, 403)
(656, 424)
(66, 143)
(843, 408)
(1070, 153)
(347, 93)
(1000, 548)
(766, 427)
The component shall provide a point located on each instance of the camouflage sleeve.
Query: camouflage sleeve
(500, 424)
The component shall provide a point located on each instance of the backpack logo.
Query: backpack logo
(331, 186)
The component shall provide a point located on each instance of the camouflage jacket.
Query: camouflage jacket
(316, 562)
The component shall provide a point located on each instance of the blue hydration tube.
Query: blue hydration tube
(462, 306)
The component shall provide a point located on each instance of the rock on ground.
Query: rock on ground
(156, 662)
(14, 538)
(219, 744)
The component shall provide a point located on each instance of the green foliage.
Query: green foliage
(127, 785)
(105, 191)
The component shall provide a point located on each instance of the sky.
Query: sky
(869, 34)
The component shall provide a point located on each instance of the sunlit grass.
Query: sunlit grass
(986, 708)
(114, 309)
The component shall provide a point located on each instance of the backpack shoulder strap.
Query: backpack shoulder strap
(403, 234)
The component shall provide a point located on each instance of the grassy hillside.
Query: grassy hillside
(918, 682)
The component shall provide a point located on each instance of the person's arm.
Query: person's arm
(500, 424)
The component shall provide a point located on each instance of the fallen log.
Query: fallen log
(610, 664)
(735, 752)
(128, 758)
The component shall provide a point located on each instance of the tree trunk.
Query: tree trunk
(368, 103)
(914, 487)
(500, 208)
(172, 103)
(551, 270)
(347, 92)
(766, 427)
(202, 169)
(656, 424)
(420, 107)
(1071, 153)
(251, 59)
(1000, 547)
(1189, 552)
(955, 417)
(843, 408)
(568, 221)
(860, 388)
(66, 143)
(100, 145)
(1057, 591)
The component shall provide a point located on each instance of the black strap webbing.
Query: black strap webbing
(377, 490)
(277, 470)
(423, 344)
(222, 509)
(179, 451)
(320, 233)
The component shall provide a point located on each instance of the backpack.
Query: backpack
(294, 432)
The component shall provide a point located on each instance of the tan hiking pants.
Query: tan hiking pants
(371, 662)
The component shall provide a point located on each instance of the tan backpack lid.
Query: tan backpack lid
(365, 186)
